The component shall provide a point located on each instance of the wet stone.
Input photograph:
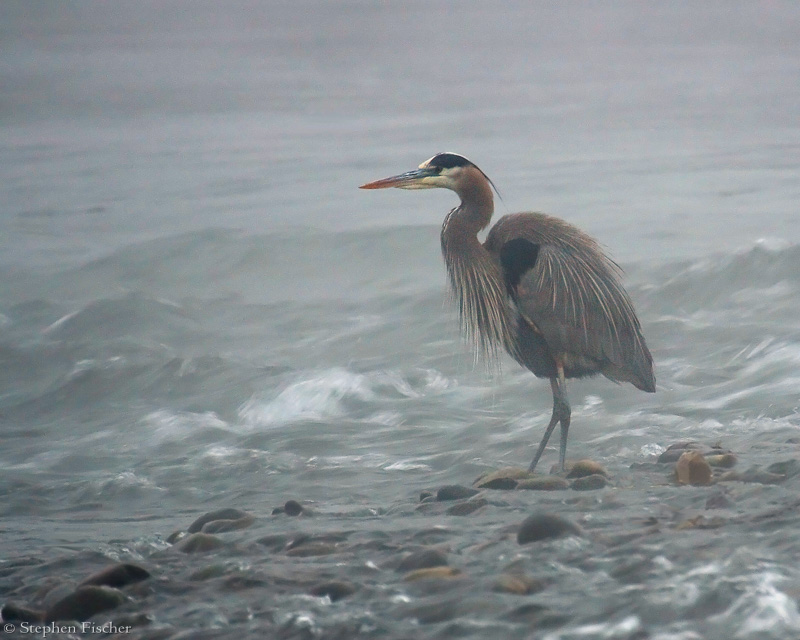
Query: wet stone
(16, 613)
(425, 495)
(292, 508)
(219, 514)
(517, 584)
(503, 479)
(222, 526)
(466, 508)
(199, 543)
(589, 483)
(543, 483)
(583, 468)
(84, 602)
(432, 573)
(693, 469)
(455, 492)
(721, 460)
(175, 536)
(542, 526)
(117, 575)
(675, 451)
(423, 559)
(335, 590)
(754, 475)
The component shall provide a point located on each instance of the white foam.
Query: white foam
(314, 398)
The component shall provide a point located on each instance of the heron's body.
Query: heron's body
(538, 287)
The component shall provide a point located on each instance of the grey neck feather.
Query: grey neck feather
(476, 281)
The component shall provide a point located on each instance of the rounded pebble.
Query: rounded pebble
(292, 508)
(199, 543)
(542, 526)
(723, 460)
(455, 492)
(432, 573)
(117, 575)
(543, 483)
(517, 584)
(15, 613)
(424, 559)
(583, 468)
(335, 590)
(83, 603)
(504, 479)
(221, 526)
(466, 508)
(175, 536)
(219, 514)
(589, 483)
(693, 469)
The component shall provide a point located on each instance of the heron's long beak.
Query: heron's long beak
(409, 180)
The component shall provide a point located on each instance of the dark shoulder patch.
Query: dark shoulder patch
(448, 161)
(517, 256)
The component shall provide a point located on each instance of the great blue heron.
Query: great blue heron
(538, 286)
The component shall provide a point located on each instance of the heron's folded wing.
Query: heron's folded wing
(579, 307)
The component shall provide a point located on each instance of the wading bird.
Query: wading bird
(538, 287)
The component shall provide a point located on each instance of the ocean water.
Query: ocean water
(199, 309)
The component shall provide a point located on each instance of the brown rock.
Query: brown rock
(693, 469)
(543, 483)
(292, 508)
(219, 514)
(221, 526)
(424, 559)
(83, 603)
(335, 590)
(724, 460)
(199, 543)
(504, 479)
(117, 575)
(175, 536)
(542, 526)
(675, 451)
(466, 508)
(583, 468)
(455, 492)
(15, 613)
(432, 573)
(517, 584)
(589, 483)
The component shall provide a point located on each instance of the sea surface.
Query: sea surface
(200, 310)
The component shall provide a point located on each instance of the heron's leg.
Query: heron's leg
(554, 420)
(566, 413)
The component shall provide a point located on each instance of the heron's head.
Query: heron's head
(444, 170)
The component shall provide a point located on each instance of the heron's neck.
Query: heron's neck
(476, 279)
(477, 205)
